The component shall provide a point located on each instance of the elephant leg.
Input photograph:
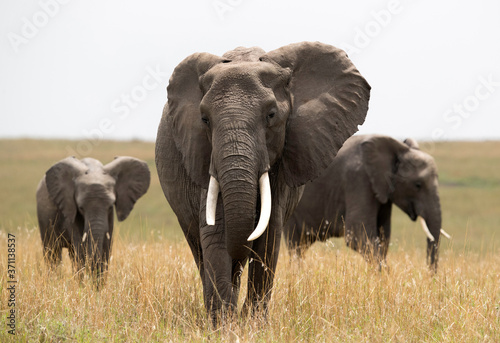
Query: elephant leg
(52, 247)
(196, 250)
(74, 257)
(52, 254)
(75, 250)
(261, 270)
(384, 228)
(361, 231)
(77, 260)
(299, 251)
(302, 231)
(50, 233)
(218, 288)
(296, 241)
(191, 233)
(237, 271)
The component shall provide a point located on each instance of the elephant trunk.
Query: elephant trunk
(239, 167)
(95, 238)
(239, 197)
(433, 221)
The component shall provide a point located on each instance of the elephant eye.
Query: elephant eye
(271, 114)
(418, 185)
(205, 120)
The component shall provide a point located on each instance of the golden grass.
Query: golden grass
(153, 293)
(469, 189)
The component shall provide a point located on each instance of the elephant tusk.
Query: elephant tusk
(212, 195)
(84, 237)
(426, 229)
(108, 236)
(446, 234)
(265, 207)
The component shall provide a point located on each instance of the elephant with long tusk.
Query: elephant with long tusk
(239, 137)
(354, 198)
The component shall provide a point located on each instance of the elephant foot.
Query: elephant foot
(384, 267)
(255, 309)
(221, 317)
(99, 282)
(52, 257)
(433, 269)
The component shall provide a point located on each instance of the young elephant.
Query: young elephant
(354, 196)
(75, 202)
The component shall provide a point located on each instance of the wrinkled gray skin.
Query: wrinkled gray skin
(369, 174)
(76, 197)
(235, 117)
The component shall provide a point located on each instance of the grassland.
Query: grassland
(24, 162)
(153, 292)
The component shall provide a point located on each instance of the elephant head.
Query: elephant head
(85, 192)
(408, 177)
(238, 118)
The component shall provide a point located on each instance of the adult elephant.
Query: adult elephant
(75, 200)
(354, 196)
(239, 136)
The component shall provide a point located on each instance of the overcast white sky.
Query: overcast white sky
(99, 69)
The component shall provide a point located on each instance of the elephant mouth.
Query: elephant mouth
(412, 212)
(265, 211)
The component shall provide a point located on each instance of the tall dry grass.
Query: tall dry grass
(153, 293)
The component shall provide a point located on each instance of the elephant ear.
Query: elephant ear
(132, 181)
(380, 155)
(412, 143)
(60, 180)
(184, 97)
(329, 100)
